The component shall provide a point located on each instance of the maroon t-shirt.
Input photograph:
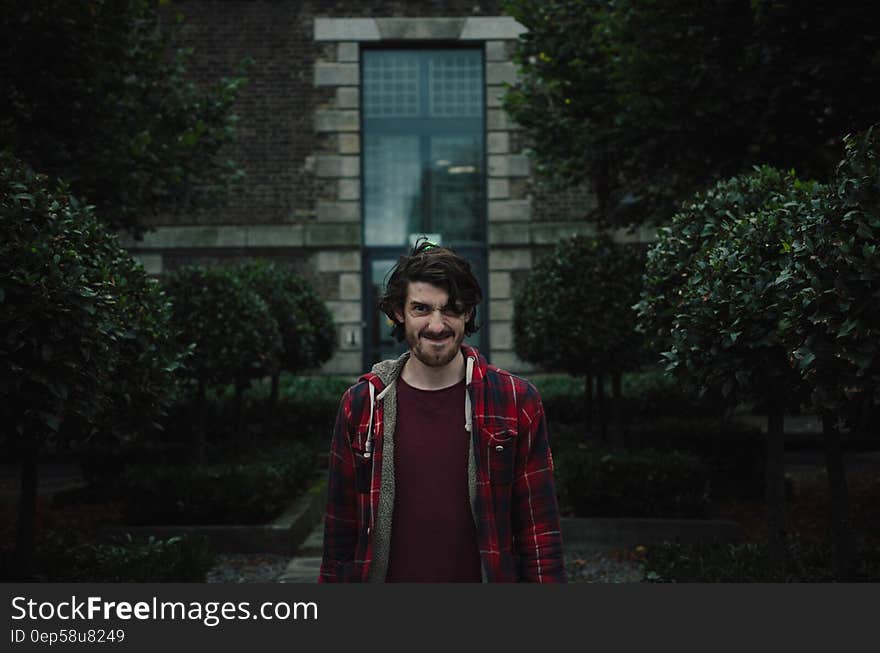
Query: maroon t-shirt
(433, 537)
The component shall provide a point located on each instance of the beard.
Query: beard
(432, 355)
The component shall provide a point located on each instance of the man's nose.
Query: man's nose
(435, 321)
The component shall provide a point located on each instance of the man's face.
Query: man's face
(434, 331)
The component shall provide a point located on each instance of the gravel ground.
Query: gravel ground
(602, 566)
(582, 566)
(247, 568)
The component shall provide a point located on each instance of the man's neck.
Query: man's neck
(424, 377)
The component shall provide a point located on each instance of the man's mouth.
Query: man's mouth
(437, 338)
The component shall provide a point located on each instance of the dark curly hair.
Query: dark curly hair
(441, 267)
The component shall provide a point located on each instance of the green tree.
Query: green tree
(834, 281)
(231, 331)
(306, 325)
(651, 101)
(85, 347)
(574, 314)
(711, 289)
(94, 93)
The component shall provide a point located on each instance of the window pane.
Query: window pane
(392, 194)
(457, 188)
(391, 85)
(423, 157)
(456, 84)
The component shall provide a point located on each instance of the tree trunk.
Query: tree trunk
(775, 479)
(616, 421)
(25, 540)
(240, 386)
(601, 428)
(274, 394)
(588, 405)
(840, 525)
(199, 434)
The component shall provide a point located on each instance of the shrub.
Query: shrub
(246, 493)
(69, 557)
(589, 285)
(230, 327)
(307, 331)
(749, 562)
(599, 483)
(85, 346)
(83, 331)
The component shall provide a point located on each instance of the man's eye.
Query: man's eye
(419, 309)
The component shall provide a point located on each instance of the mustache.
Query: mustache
(436, 336)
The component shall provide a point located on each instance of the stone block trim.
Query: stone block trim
(350, 143)
(337, 166)
(346, 29)
(501, 73)
(509, 259)
(349, 189)
(472, 28)
(348, 97)
(496, 51)
(504, 210)
(347, 52)
(336, 74)
(338, 211)
(501, 309)
(337, 261)
(337, 121)
(222, 236)
(498, 143)
(421, 29)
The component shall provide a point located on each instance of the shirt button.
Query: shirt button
(499, 448)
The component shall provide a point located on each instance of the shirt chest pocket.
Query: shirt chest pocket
(499, 447)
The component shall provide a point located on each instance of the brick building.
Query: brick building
(363, 126)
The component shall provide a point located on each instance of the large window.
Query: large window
(423, 163)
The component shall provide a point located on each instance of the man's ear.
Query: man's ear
(398, 316)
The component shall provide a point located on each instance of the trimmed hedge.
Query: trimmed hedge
(808, 560)
(594, 482)
(247, 493)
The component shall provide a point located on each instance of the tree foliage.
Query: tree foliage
(306, 326)
(94, 93)
(574, 311)
(84, 336)
(652, 101)
(834, 280)
(712, 298)
(231, 328)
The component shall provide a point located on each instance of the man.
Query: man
(440, 468)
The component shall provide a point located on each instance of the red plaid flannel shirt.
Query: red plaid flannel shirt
(516, 512)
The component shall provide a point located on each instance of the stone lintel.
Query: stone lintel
(422, 29)
(491, 28)
(346, 29)
(471, 28)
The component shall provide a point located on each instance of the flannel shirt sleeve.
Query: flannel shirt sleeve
(536, 529)
(340, 517)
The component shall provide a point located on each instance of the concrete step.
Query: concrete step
(301, 570)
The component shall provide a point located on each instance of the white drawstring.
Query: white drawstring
(368, 446)
(469, 372)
